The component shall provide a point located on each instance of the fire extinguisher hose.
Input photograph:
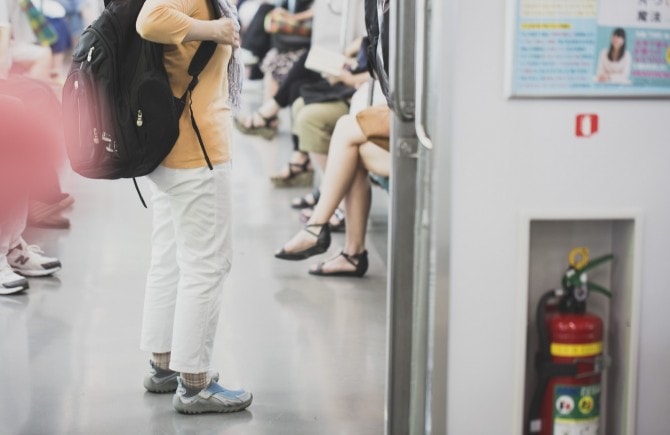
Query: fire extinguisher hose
(543, 356)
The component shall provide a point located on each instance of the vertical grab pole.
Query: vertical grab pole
(421, 327)
(401, 218)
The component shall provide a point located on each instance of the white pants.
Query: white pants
(190, 259)
(12, 228)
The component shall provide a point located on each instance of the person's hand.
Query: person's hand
(603, 77)
(331, 79)
(227, 32)
(347, 77)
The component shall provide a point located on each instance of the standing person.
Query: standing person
(191, 241)
(18, 158)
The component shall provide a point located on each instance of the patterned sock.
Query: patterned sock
(194, 381)
(161, 360)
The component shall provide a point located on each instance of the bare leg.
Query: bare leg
(298, 163)
(319, 160)
(376, 159)
(357, 202)
(357, 205)
(343, 165)
(343, 162)
(270, 87)
(268, 110)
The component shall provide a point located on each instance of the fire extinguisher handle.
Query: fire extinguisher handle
(600, 289)
(597, 262)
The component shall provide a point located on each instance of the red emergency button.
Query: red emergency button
(586, 125)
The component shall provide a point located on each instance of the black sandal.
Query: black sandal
(301, 202)
(360, 261)
(303, 175)
(341, 224)
(322, 244)
(267, 130)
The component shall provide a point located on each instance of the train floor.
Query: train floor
(311, 350)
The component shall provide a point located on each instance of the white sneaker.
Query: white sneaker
(10, 282)
(213, 398)
(29, 260)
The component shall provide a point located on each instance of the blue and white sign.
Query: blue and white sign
(591, 48)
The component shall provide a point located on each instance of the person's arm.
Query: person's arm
(354, 47)
(304, 15)
(300, 16)
(354, 80)
(170, 22)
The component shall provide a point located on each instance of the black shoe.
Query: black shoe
(340, 226)
(322, 244)
(360, 261)
(301, 202)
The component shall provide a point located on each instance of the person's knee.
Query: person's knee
(375, 159)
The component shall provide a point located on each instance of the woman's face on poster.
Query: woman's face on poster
(617, 41)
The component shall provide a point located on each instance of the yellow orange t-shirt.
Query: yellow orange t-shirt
(167, 22)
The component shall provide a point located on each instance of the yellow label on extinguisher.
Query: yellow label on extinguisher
(576, 350)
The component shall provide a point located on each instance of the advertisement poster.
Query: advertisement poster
(591, 48)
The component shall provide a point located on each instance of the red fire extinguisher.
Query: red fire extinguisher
(570, 356)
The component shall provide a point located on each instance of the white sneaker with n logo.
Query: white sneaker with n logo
(10, 282)
(29, 260)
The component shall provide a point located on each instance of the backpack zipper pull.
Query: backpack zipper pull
(96, 140)
(139, 121)
(90, 54)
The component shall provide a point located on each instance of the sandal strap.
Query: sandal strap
(353, 258)
(266, 121)
(316, 194)
(312, 232)
(302, 167)
(339, 214)
(304, 202)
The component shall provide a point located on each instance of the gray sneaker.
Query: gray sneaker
(165, 380)
(160, 380)
(213, 398)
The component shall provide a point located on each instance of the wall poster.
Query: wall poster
(591, 48)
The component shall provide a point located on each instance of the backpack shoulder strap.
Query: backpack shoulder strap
(200, 59)
(204, 53)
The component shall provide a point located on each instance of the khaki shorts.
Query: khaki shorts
(314, 123)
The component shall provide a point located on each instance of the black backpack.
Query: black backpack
(121, 118)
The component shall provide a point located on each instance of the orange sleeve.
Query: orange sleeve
(165, 21)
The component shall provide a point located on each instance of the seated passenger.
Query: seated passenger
(286, 48)
(350, 158)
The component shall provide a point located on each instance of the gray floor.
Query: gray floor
(312, 350)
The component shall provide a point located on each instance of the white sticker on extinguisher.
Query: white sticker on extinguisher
(576, 427)
(576, 409)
